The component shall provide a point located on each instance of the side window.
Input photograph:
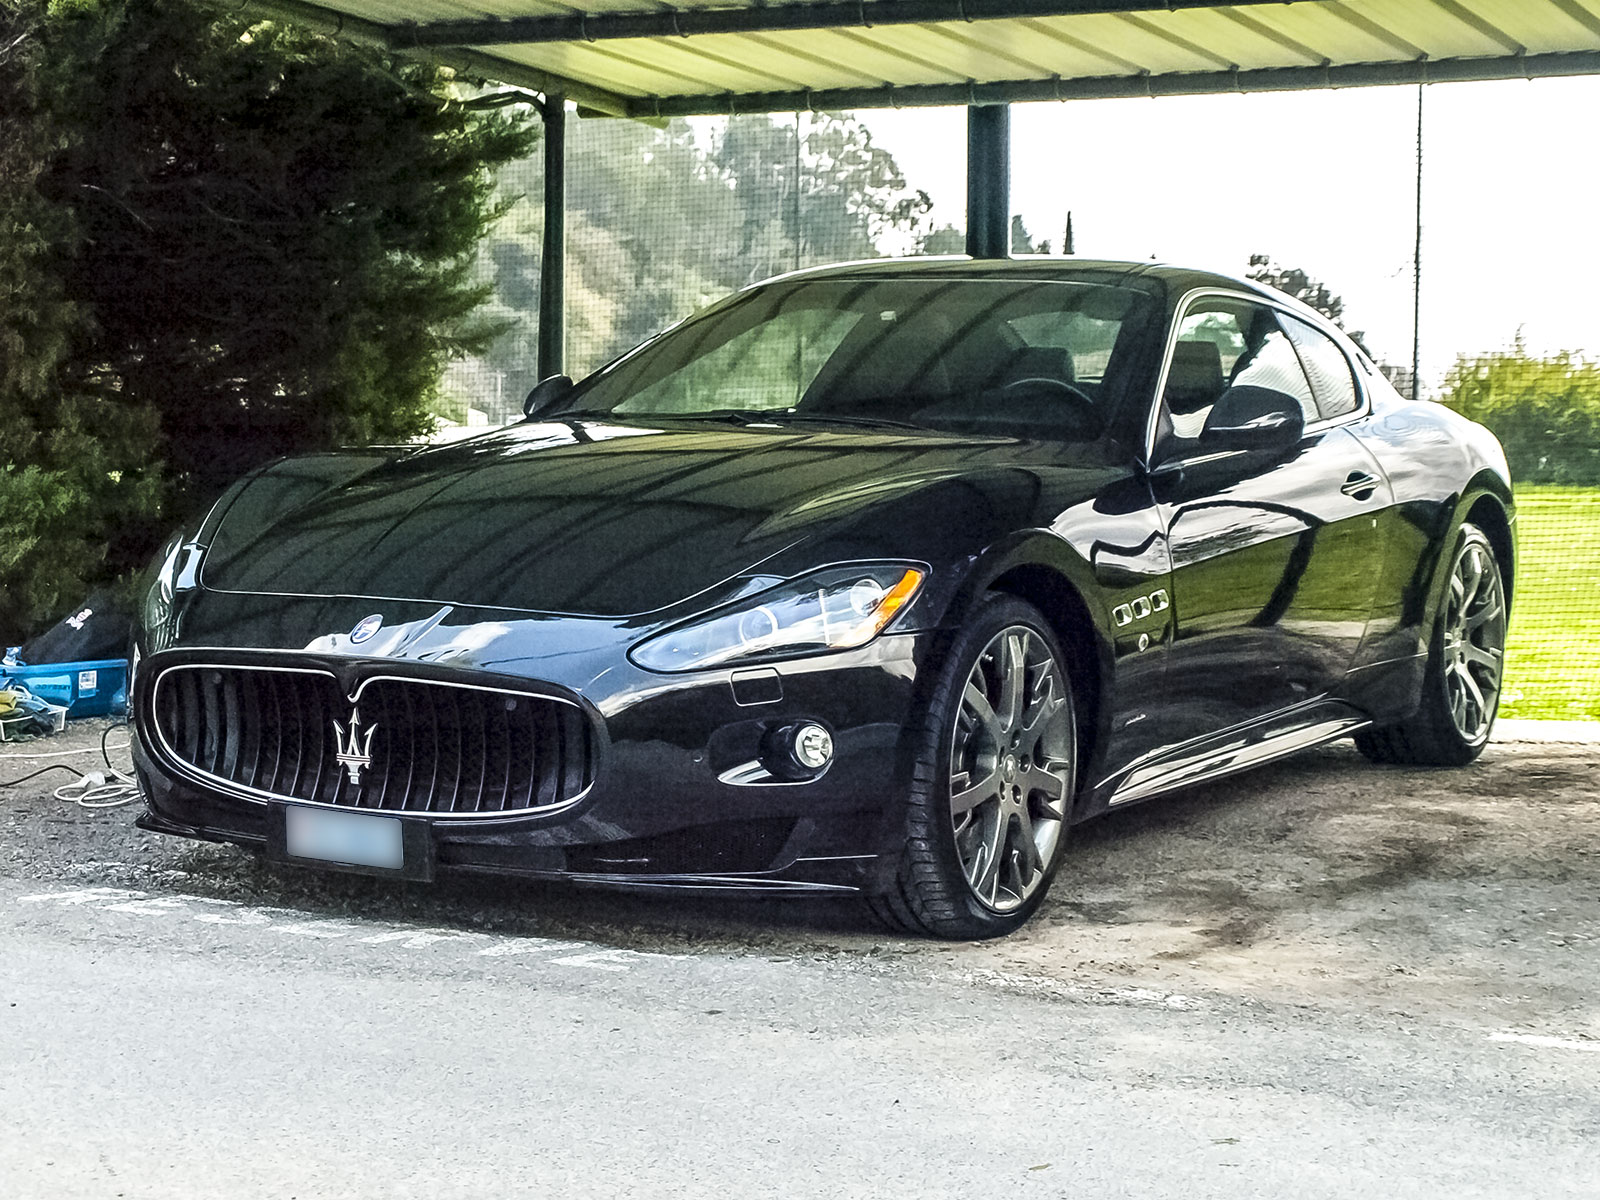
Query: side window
(1225, 343)
(1329, 369)
(1271, 362)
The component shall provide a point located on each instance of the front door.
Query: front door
(1275, 563)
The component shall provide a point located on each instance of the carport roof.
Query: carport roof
(642, 58)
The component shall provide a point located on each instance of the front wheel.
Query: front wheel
(993, 783)
(1466, 662)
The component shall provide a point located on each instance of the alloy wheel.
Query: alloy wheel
(1011, 768)
(1474, 641)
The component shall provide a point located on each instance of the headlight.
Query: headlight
(836, 609)
(158, 597)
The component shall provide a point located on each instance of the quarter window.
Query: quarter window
(1327, 367)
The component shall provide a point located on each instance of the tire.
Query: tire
(1466, 662)
(992, 783)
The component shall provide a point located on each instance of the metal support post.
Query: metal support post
(553, 266)
(989, 181)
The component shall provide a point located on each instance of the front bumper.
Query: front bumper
(674, 803)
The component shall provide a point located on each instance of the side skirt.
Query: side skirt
(1238, 749)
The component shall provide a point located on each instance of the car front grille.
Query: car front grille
(401, 745)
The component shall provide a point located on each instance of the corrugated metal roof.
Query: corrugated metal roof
(641, 58)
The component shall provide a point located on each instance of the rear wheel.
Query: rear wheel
(1466, 661)
(993, 783)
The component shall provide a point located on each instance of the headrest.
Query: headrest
(1195, 380)
(1037, 362)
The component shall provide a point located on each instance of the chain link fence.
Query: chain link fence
(663, 220)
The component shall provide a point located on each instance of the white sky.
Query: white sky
(1323, 181)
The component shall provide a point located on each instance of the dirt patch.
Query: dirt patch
(1470, 892)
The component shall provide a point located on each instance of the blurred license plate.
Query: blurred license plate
(340, 837)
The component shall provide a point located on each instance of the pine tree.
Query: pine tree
(225, 241)
(75, 462)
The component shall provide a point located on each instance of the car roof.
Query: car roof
(1175, 277)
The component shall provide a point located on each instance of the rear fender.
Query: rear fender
(1488, 503)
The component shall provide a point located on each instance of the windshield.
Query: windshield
(1030, 357)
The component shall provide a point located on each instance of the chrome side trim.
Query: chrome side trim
(466, 687)
(753, 774)
(175, 762)
(732, 883)
(1216, 762)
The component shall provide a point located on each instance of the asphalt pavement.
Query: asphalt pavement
(178, 1020)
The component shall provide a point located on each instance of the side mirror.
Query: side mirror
(1254, 418)
(546, 394)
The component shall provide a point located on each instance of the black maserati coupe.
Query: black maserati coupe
(870, 579)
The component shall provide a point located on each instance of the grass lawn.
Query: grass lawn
(1553, 655)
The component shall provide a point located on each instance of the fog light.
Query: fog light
(812, 747)
(797, 752)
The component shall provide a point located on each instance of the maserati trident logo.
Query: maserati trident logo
(354, 755)
(365, 628)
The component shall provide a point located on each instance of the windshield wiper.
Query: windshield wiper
(758, 416)
(854, 419)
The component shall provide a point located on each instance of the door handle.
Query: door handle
(1359, 485)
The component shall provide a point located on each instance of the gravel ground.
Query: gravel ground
(1467, 897)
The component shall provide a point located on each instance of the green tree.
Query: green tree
(1545, 411)
(75, 461)
(276, 232)
(820, 190)
(1309, 291)
(647, 242)
(660, 222)
(1022, 241)
(226, 240)
(946, 239)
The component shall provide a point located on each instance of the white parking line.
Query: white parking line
(415, 939)
(317, 929)
(294, 923)
(529, 945)
(248, 916)
(153, 906)
(1044, 985)
(1547, 1042)
(82, 896)
(600, 960)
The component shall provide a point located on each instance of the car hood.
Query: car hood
(583, 517)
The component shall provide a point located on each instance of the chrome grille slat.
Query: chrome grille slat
(458, 762)
(530, 772)
(273, 735)
(411, 759)
(378, 788)
(319, 721)
(191, 707)
(436, 747)
(250, 717)
(296, 740)
(433, 757)
(230, 723)
(212, 730)
(477, 758)
(505, 712)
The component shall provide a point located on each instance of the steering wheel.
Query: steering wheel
(1057, 385)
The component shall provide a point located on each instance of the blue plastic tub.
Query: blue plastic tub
(84, 689)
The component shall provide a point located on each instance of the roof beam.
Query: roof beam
(767, 18)
(467, 62)
(1107, 87)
